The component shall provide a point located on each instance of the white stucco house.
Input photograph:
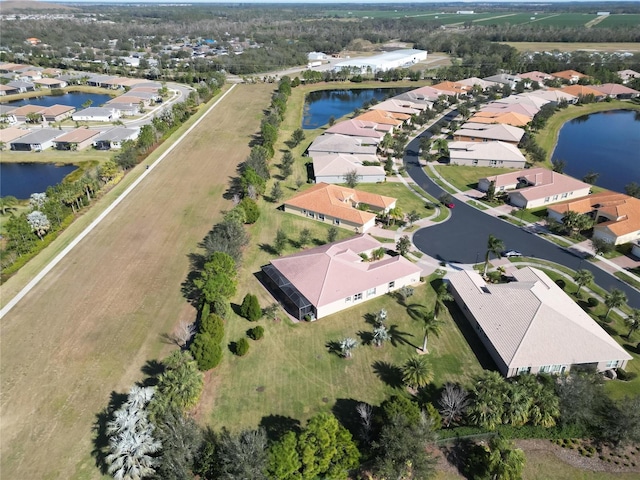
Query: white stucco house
(333, 167)
(486, 154)
(96, 114)
(531, 325)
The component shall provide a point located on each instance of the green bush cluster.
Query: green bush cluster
(256, 333)
(250, 308)
(241, 347)
(592, 302)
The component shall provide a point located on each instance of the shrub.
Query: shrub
(250, 308)
(561, 283)
(214, 326)
(251, 210)
(592, 302)
(242, 347)
(256, 333)
(206, 352)
(220, 306)
(626, 376)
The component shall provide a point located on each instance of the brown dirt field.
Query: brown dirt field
(90, 325)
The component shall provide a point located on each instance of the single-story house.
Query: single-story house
(56, 113)
(615, 90)
(552, 96)
(483, 132)
(536, 76)
(419, 97)
(506, 79)
(52, 72)
(332, 167)
(626, 75)
(335, 143)
(115, 137)
(77, 139)
(96, 114)
(521, 108)
(357, 128)
(583, 91)
(570, 76)
(535, 187)
(486, 154)
(7, 67)
(50, 83)
(9, 134)
(506, 118)
(523, 99)
(473, 81)
(152, 92)
(22, 112)
(22, 86)
(339, 206)
(7, 90)
(127, 98)
(532, 326)
(330, 278)
(125, 109)
(451, 88)
(37, 140)
(6, 114)
(100, 80)
(30, 76)
(616, 215)
(400, 105)
(383, 117)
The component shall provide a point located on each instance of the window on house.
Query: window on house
(545, 369)
(336, 221)
(493, 163)
(524, 370)
(564, 195)
(311, 215)
(371, 291)
(321, 216)
(612, 363)
(546, 199)
(555, 197)
(392, 284)
(347, 300)
(475, 161)
(357, 296)
(502, 189)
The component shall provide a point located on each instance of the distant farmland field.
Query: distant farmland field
(572, 47)
(612, 21)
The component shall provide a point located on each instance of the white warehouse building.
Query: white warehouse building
(384, 61)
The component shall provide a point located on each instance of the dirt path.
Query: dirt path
(91, 324)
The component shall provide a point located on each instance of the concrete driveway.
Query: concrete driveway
(463, 238)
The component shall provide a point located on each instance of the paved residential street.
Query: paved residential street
(463, 238)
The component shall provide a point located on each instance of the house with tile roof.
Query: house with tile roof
(9, 134)
(521, 108)
(358, 128)
(536, 76)
(56, 113)
(472, 81)
(522, 99)
(77, 139)
(333, 277)
(7, 90)
(21, 112)
(616, 215)
(336, 143)
(486, 154)
(483, 132)
(570, 76)
(506, 79)
(583, 91)
(340, 206)
(535, 187)
(50, 82)
(401, 105)
(383, 117)
(506, 118)
(615, 90)
(451, 88)
(552, 96)
(530, 325)
(333, 167)
(36, 140)
(627, 75)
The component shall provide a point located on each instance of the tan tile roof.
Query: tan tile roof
(340, 202)
(379, 116)
(532, 322)
(497, 131)
(451, 87)
(335, 271)
(26, 109)
(7, 88)
(509, 118)
(615, 89)
(544, 183)
(48, 81)
(536, 76)
(78, 135)
(9, 134)
(568, 74)
(357, 128)
(55, 110)
(581, 91)
(624, 208)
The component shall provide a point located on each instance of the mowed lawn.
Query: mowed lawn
(91, 324)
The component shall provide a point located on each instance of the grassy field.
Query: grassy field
(465, 178)
(548, 137)
(572, 47)
(614, 21)
(90, 325)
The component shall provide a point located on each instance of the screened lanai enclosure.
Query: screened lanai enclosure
(289, 296)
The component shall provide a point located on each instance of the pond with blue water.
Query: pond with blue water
(607, 143)
(320, 106)
(72, 99)
(20, 180)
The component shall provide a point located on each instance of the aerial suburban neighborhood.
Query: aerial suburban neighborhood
(319, 241)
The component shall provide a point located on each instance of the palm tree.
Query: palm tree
(396, 213)
(582, 277)
(417, 372)
(347, 345)
(442, 296)
(495, 246)
(429, 322)
(8, 203)
(633, 321)
(505, 462)
(380, 335)
(614, 299)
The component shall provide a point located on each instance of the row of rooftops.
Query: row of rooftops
(38, 136)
